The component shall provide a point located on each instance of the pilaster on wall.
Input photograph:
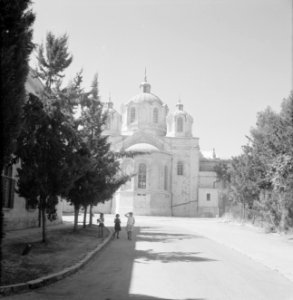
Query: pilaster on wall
(184, 187)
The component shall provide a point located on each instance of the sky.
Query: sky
(226, 60)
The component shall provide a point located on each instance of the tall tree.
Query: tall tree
(16, 45)
(282, 165)
(53, 60)
(223, 171)
(102, 179)
(46, 145)
(266, 166)
(244, 189)
(48, 139)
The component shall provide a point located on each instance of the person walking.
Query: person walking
(117, 226)
(130, 224)
(101, 225)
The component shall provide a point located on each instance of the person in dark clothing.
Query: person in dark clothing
(117, 226)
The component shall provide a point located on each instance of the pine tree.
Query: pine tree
(102, 179)
(49, 138)
(53, 59)
(45, 144)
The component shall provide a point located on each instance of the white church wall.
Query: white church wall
(207, 179)
(208, 202)
(123, 202)
(184, 187)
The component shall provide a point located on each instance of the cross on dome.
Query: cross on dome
(110, 103)
(145, 86)
(145, 75)
(179, 104)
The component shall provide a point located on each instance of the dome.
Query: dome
(145, 97)
(180, 111)
(143, 147)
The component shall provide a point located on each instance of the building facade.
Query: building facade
(17, 213)
(170, 177)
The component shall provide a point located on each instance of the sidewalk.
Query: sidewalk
(271, 249)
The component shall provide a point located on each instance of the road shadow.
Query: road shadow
(143, 297)
(151, 235)
(157, 236)
(169, 257)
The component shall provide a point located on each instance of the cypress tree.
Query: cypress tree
(16, 45)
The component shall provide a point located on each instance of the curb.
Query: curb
(6, 290)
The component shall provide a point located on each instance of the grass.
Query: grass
(63, 249)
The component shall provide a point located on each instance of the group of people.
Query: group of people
(117, 225)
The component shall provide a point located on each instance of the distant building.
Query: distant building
(17, 213)
(173, 178)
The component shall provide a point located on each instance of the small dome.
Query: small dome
(143, 147)
(180, 110)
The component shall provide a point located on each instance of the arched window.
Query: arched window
(180, 169)
(132, 114)
(141, 176)
(166, 178)
(179, 125)
(156, 115)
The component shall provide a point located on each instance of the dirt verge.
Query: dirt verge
(64, 248)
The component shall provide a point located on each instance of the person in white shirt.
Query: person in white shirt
(130, 224)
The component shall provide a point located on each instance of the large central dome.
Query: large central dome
(146, 97)
(144, 112)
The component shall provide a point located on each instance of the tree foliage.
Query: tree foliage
(102, 178)
(48, 138)
(16, 45)
(53, 59)
(46, 145)
(262, 176)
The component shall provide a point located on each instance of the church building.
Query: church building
(172, 178)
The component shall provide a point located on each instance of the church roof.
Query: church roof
(142, 147)
(145, 97)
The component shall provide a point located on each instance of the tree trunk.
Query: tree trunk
(84, 216)
(44, 233)
(244, 211)
(284, 212)
(91, 215)
(76, 212)
(1, 225)
(39, 216)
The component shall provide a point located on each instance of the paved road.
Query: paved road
(165, 261)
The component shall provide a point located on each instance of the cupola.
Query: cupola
(179, 122)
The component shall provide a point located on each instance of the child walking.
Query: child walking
(117, 226)
(101, 225)
(130, 224)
